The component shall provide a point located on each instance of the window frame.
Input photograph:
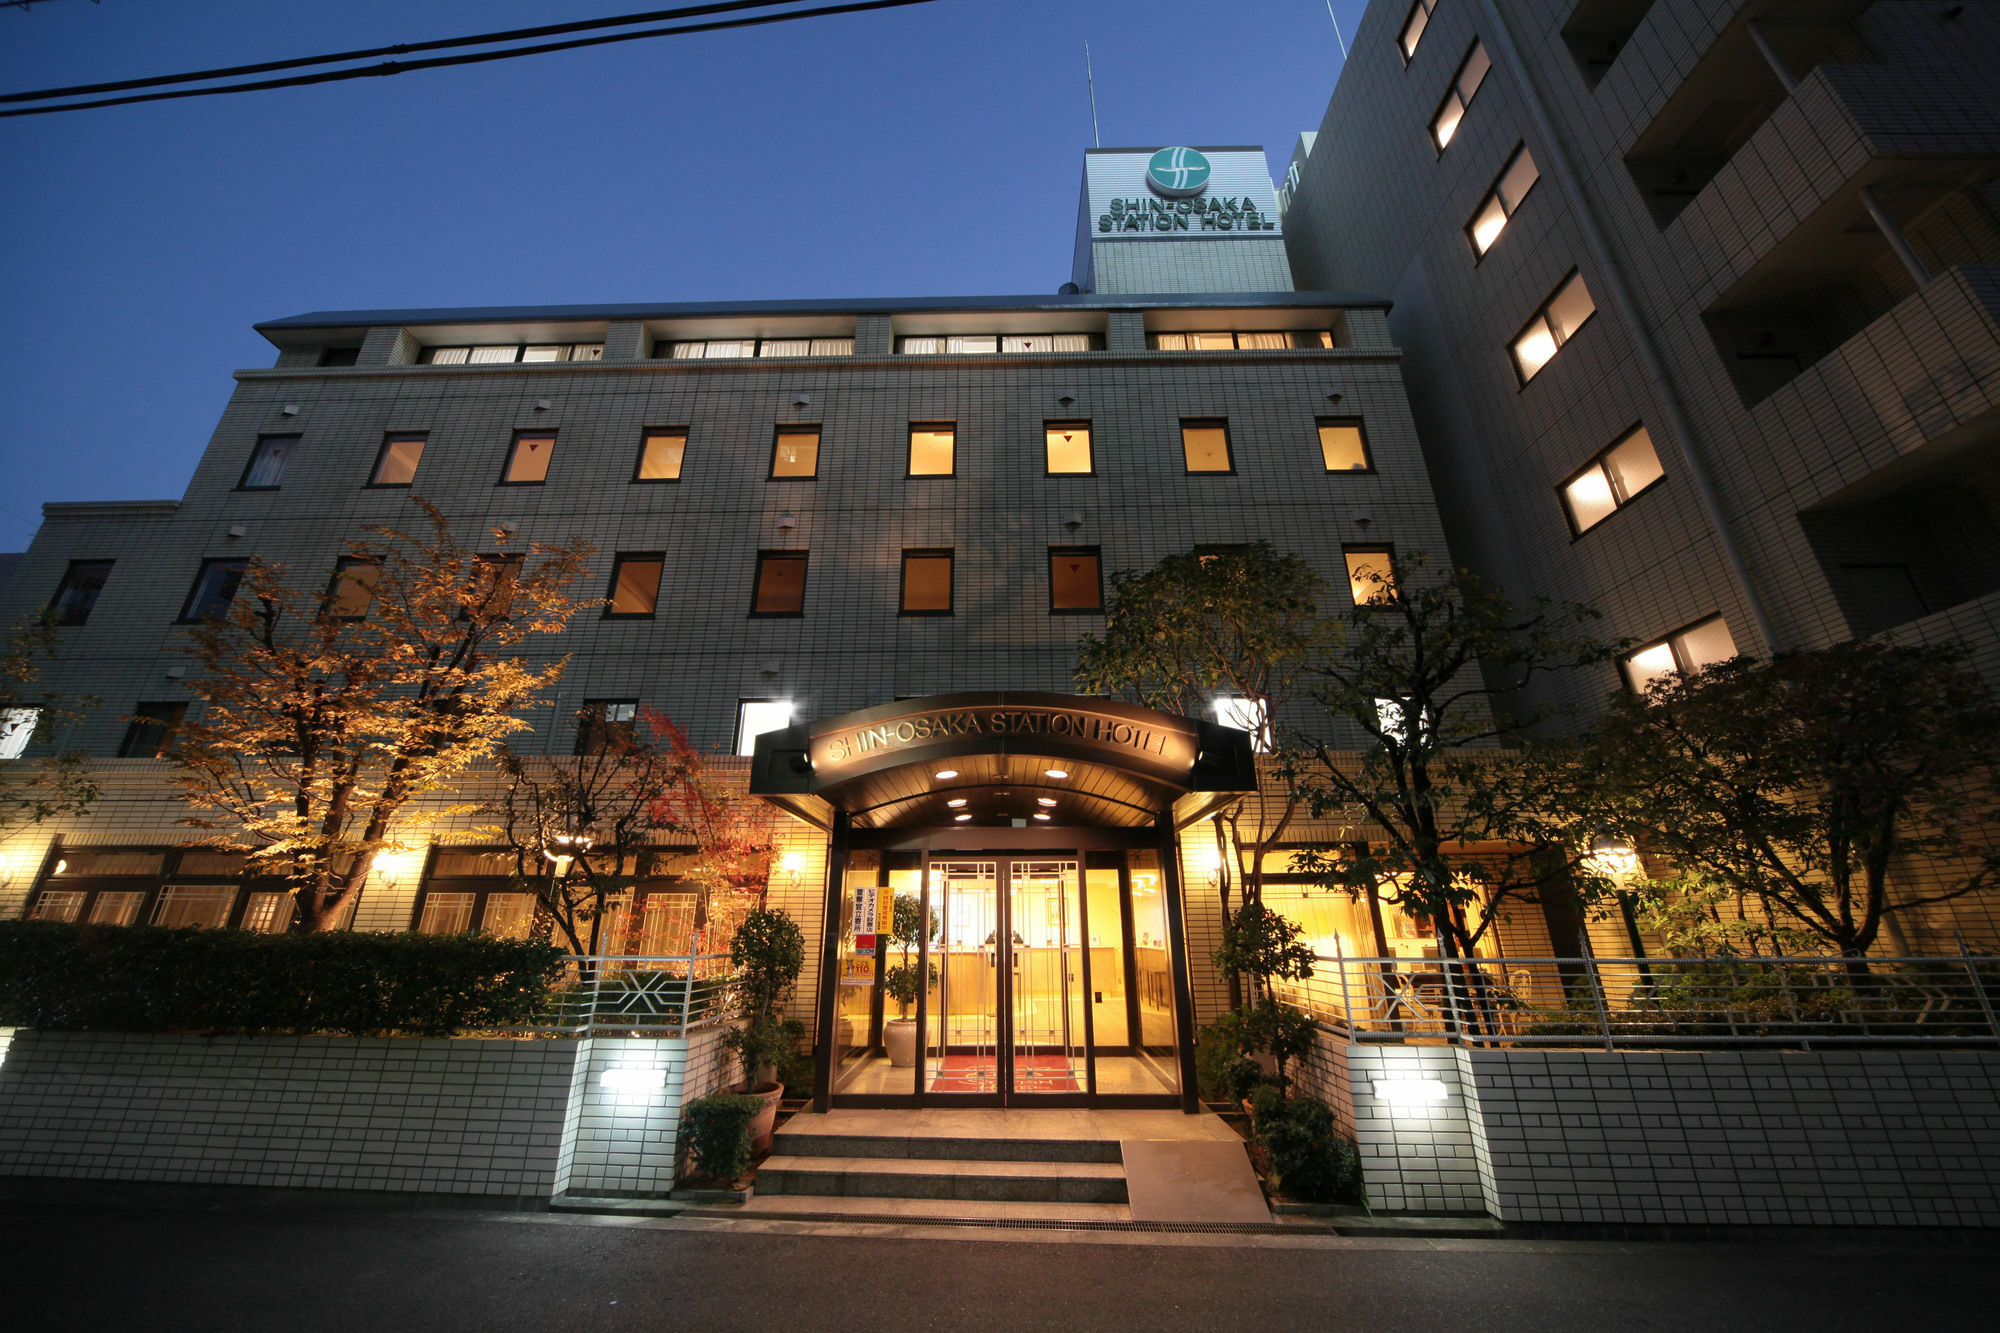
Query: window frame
(910, 452)
(150, 885)
(619, 560)
(187, 617)
(428, 351)
(1618, 503)
(1452, 91)
(1673, 642)
(646, 436)
(513, 454)
(1409, 52)
(1493, 195)
(257, 452)
(1541, 315)
(482, 888)
(1387, 550)
(1367, 467)
(340, 568)
(773, 556)
(1088, 427)
(1096, 553)
(950, 557)
(1228, 447)
(389, 440)
(593, 727)
(63, 618)
(818, 429)
(138, 723)
(663, 348)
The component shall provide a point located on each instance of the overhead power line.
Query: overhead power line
(392, 67)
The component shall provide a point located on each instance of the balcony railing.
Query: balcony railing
(640, 996)
(1634, 1003)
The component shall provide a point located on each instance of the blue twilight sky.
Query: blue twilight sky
(933, 150)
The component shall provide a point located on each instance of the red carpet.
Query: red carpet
(977, 1073)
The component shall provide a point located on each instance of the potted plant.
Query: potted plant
(767, 954)
(905, 981)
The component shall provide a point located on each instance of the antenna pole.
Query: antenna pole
(1091, 79)
(1336, 30)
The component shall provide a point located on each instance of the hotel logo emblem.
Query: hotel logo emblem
(1177, 172)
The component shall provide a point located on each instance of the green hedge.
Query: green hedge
(57, 976)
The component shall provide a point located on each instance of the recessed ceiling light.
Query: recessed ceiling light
(1045, 800)
(956, 802)
(963, 818)
(1057, 772)
(1041, 814)
(945, 774)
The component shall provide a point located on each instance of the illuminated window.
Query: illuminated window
(1391, 720)
(1205, 445)
(1611, 480)
(17, 728)
(1413, 28)
(795, 453)
(781, 584)
(263, 913)
(927, 583)
(661, 453)
(635, 584)
(266, 469)
(205, 905)
(396, 465)
(605, 723)
(1074, 585)
(508, 353)
(1275, 340)
(1683, 652)
(1490, 218)
(754, 717)
(150, 733)
(528, 460)
(931, 449)
(1068, 448)
(494, 579)
(726, 349)
(77, 593)
(1011, 344)
(1464, 84)
(1343, 447)
(352, 591)
(1243, 713)
(1371, 574)
(214, 589)
(1552, 326)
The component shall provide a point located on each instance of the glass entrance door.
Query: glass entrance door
(1007, 976)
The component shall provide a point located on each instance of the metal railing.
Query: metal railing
(631, 995)
(1633, 1003)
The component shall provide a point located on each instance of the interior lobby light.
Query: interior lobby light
(1057, 773)
(1045, 800)
(963, 818)
(955, 802)
(945, 774)
(1041, 814)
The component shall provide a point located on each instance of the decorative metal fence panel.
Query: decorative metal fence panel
(1612, 1003)
(640, 996)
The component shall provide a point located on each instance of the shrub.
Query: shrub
(58, 976)
(716, 1133)
(1222, 1070)
(1309, 1158)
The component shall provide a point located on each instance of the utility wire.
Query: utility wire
(406, 66)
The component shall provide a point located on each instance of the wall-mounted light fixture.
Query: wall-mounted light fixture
(787, 521)
(289, 409)
(543, 404)
(1403, 1090)
(792, 865)
(800, 400)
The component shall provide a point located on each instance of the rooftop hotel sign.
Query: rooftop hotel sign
(1122, 739)
(1180, 192)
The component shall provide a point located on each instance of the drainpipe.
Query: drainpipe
(1893, 234)
(1628, 314)
(1764, 49)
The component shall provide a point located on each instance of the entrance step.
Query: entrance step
(945, 1148)
(810, 1206)
(894, 1177)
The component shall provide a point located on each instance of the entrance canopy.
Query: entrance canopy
(999, 760)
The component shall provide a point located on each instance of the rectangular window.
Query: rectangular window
(1464, 84)
(1205, 445)
(77, 593)
(1244, 714)
(931, 449)
(1074, 585)
(1413, 28)
(1509, 189)
(1568, 310)
(494, 579)
(330, 357)
(1223, 341)
(1342, 445)
(635, 584)
(602, 722)
(266, 913)
(1068, 445)
(927, 583)
(214, 589)
(1611, 480)
(1683, 652)
(267, 463)
(116, 907)
(510, 353)
(447, 913)
(661, 453)
(754, 717)
(528, 460)
(1371, 574)
(979, 344)
(57, 905)
(781, 584)
(205, 905)
(725, 349)
(17, 728)
(150, 733)
(396, 465)
(795, 453)
(352, 591)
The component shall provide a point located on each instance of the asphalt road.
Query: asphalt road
(166, 1259)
